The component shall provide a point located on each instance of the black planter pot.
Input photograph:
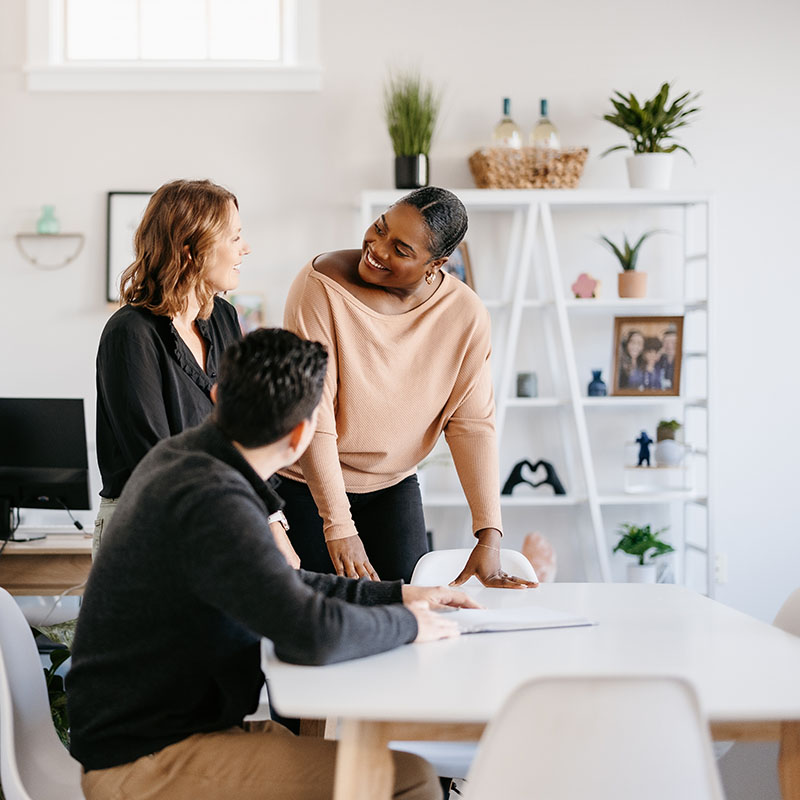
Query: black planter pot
(411, 172)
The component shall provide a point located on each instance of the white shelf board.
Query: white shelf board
(535, 402)
(650, 498)
(457, 500)
(626, 304)
(500, 199)
(633, 401)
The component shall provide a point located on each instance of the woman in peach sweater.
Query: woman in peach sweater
(409, 350)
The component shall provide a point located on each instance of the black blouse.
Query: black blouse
(149, 385)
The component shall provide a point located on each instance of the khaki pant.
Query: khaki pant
(104, 514)
(265, 762)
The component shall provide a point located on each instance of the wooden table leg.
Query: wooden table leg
(789, 761)
(364, 769)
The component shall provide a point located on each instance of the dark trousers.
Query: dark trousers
(389, 521)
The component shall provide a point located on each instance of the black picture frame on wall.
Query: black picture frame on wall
(124, 213)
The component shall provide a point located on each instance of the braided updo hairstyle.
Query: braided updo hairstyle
(444, 214)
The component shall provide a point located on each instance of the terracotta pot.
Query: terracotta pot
(632, 283)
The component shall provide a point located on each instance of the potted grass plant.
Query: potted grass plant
(643, 543)
(630, 282)
(651, 127)
(411, 107)
(668, 452)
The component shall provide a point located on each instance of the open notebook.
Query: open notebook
(489, 620)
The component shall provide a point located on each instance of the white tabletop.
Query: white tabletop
(743, 669)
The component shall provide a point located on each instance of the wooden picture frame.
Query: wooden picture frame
(124, 213)
(647, 356)
(458, 265)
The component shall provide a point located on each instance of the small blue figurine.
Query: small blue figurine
(644, 442)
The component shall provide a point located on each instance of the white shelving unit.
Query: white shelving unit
(533, 286)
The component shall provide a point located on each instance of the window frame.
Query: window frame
(47, 70)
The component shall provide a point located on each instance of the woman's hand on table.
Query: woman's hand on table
(484, 564)
(350, 558)
(437, 597)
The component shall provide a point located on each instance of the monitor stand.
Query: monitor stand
(6, 530)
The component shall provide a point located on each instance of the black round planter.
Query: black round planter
(411, 172)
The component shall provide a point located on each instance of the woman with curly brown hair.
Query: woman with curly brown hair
(159, 353)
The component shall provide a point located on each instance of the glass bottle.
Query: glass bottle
(597, 388)
(506, 132)
(47, 222)
(544, 133)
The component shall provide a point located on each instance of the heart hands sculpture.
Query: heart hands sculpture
(551, 478)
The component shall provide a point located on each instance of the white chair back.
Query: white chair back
(34, 765)
(604, 738)
(439, 567)
(788, 618)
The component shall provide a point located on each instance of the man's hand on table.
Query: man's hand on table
(420, 600)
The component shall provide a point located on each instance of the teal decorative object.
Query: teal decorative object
(47, 222)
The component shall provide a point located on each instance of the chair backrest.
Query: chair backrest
(788, 618)
(604, 738)
(34, 765)
(442, 566)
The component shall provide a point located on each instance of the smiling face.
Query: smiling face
(635, 345)
(222, 268)
(395, 252)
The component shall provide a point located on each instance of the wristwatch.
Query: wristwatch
(279, 517)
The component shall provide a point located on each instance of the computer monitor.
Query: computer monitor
(43, 460)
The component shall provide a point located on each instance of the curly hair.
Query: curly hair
(180, 227)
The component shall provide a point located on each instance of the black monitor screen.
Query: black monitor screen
(43, 460)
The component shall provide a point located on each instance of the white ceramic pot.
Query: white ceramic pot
(641, 574)
(650, 170)
(669, 453)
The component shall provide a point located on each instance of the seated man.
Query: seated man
(166, 658)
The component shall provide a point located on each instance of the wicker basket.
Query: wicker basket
(527, 167)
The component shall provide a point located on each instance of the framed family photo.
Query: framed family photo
(647, 356)
(458, 265)
(125, 212)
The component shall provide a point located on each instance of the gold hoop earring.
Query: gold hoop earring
(429, 278)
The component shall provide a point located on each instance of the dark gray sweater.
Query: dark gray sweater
(187, 581)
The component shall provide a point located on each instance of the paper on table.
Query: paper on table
(488, 620)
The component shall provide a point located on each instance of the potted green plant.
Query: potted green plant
(643, 543)
(411, 108)
(651, 126)
(668, 451)
(630, 283)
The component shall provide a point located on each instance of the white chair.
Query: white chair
(442, 566)
(600, 737)
(453, 759)
(788, 617)
(34, 765)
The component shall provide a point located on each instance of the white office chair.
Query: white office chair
(34, 765)
(439, 567)
(788, 617)
(605, 738)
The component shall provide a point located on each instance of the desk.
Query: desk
(745, 673)
(46, 566)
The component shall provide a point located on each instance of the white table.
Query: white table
(746, 673)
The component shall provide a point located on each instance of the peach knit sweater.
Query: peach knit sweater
(394, 384)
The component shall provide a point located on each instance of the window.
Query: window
(173, 45)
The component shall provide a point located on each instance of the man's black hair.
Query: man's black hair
(268, 382)
(445, 216)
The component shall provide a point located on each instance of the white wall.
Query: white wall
(298, 161)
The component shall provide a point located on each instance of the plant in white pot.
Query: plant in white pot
(641, 542)
(651, 126)
(669, 452)
(630, 283)
(411, 108)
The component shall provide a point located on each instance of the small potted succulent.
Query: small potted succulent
(651, 126)
(630, 283)
(411, 108)
(643, 543)
(669, 452)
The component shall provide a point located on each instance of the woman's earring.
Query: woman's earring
(429, 278)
